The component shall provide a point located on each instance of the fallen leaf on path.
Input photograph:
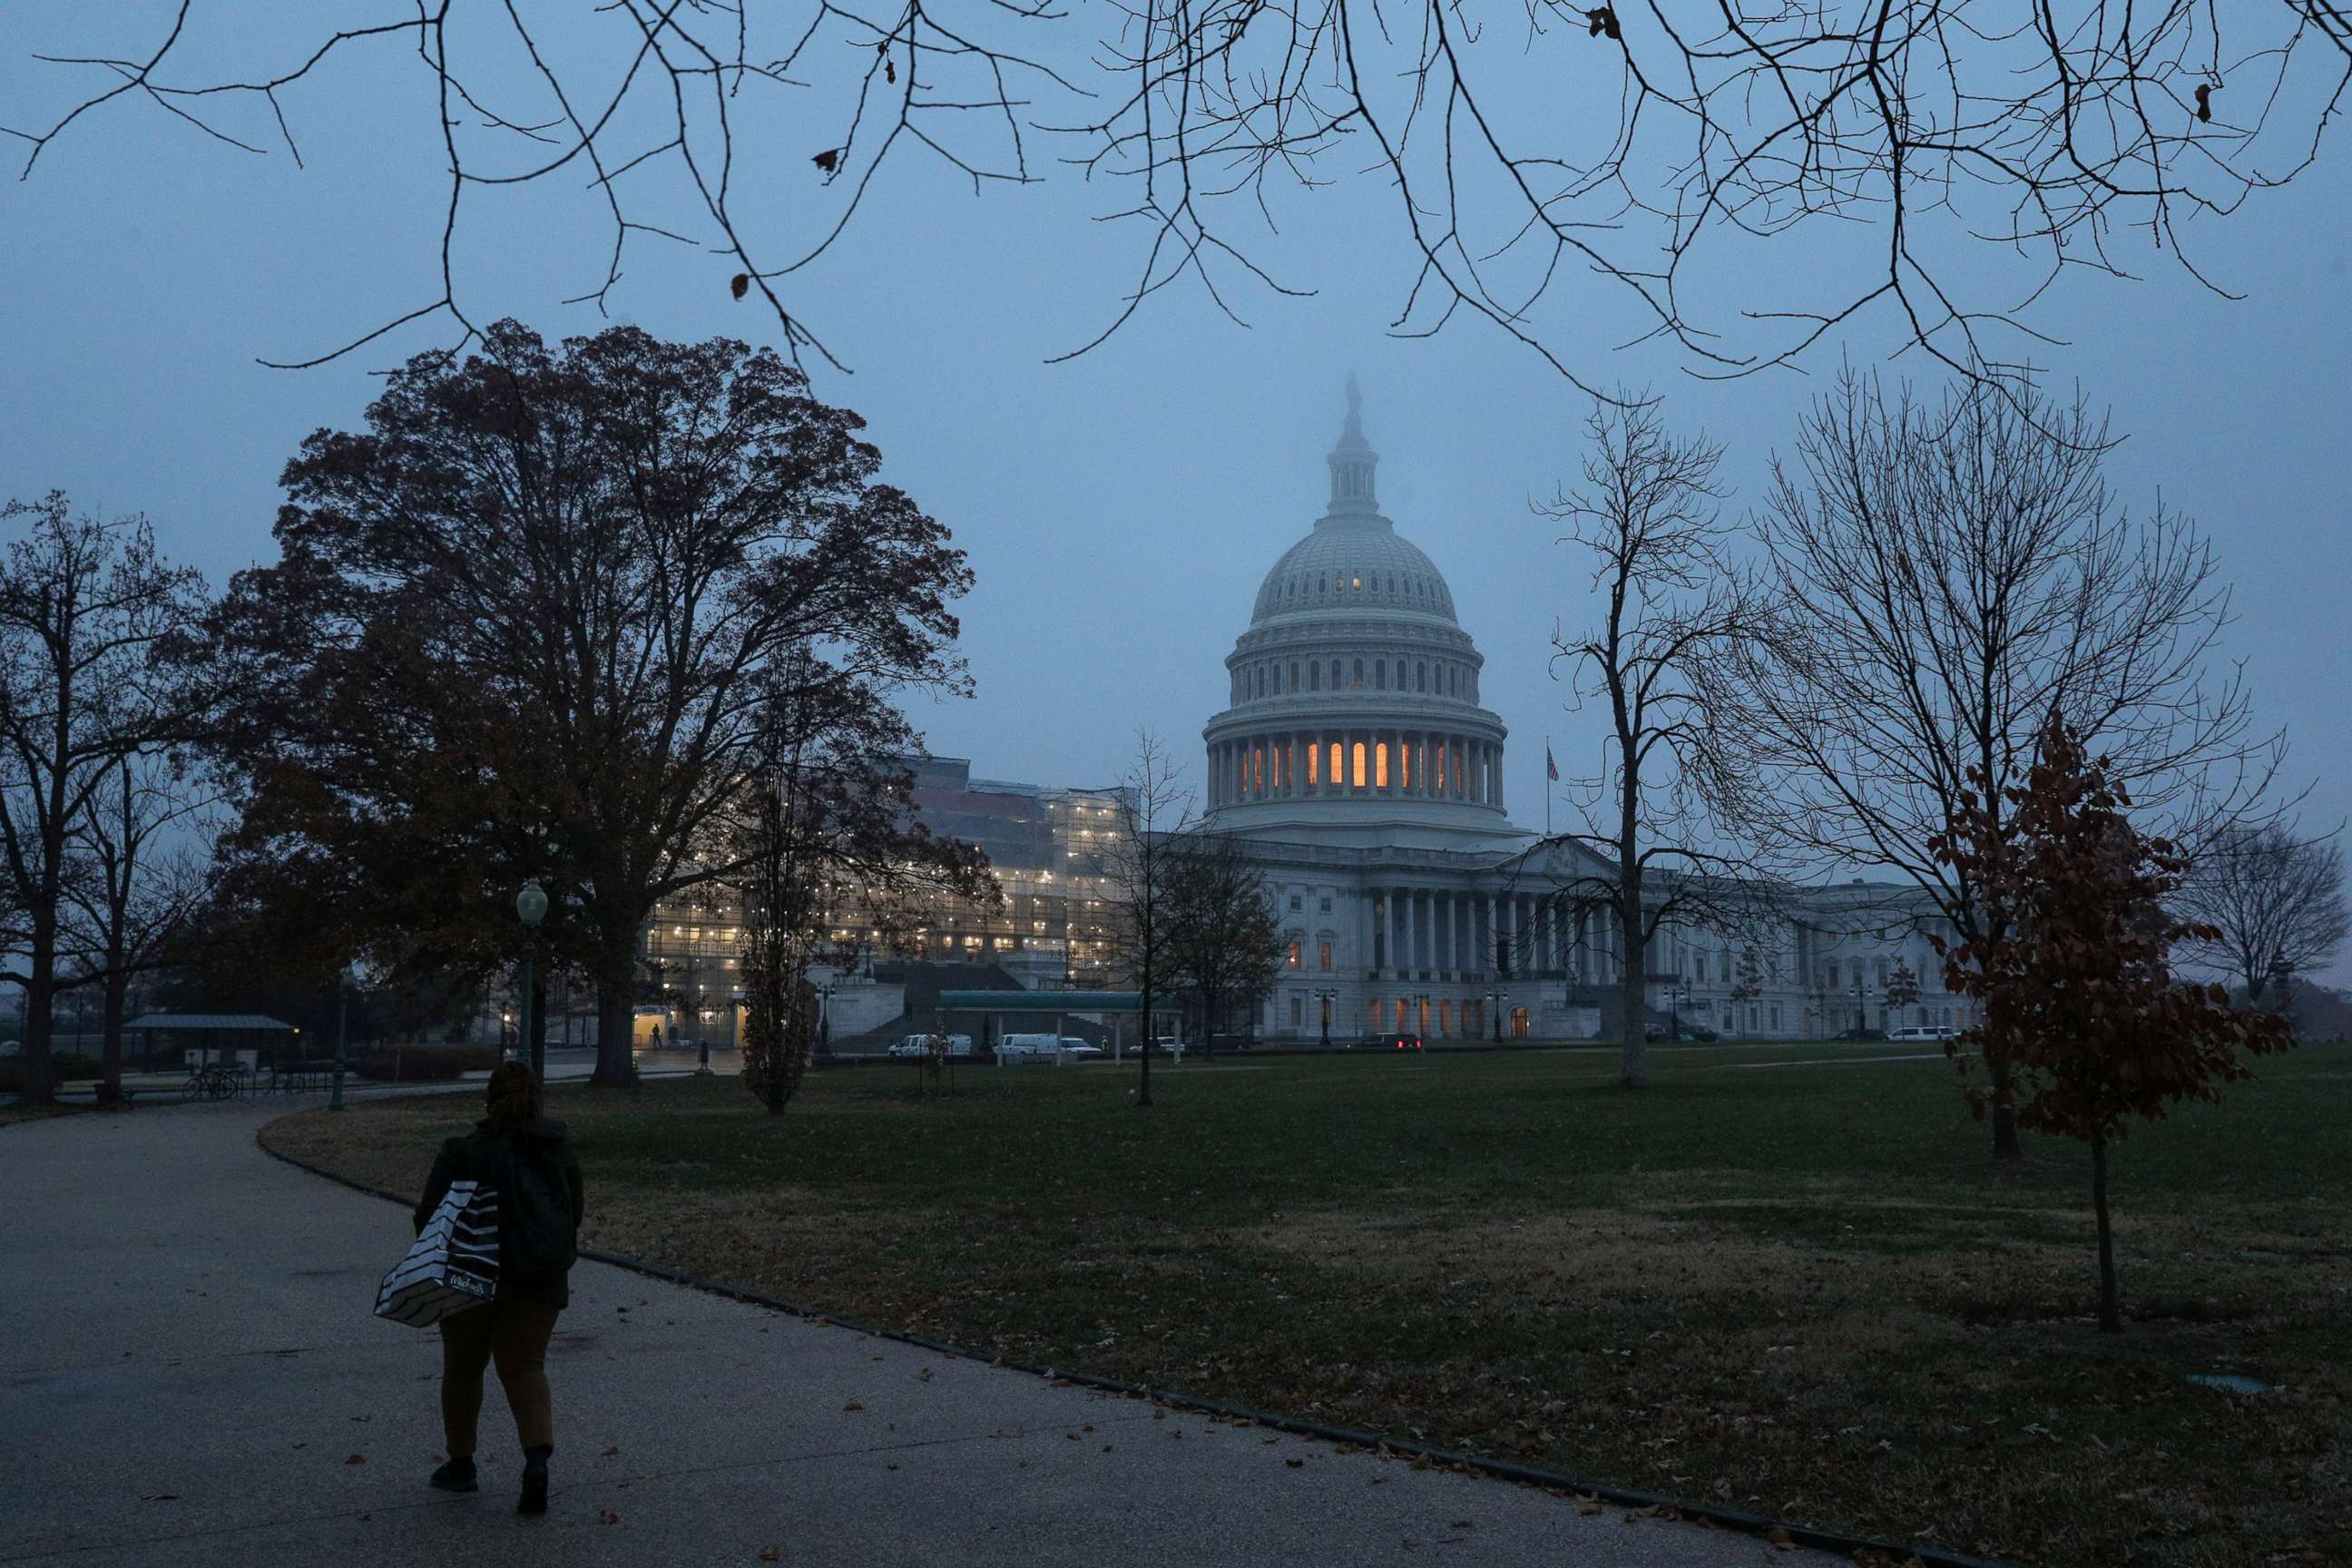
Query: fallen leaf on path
(1294, 1464)
(612, 1449)
(356, 1460)
(1781, 1538)
(771, 1554)
(608, 1517)
(852, 1404)
(1588, 1506)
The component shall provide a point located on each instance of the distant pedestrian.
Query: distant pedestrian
(529, 1161)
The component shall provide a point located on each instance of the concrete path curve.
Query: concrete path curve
(190, 1375)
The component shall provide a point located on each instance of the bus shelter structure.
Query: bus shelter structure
(993, 1008)
(210, 1038)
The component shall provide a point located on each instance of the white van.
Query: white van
(1028, 1048)
(1926, 1032)
(920, 1046)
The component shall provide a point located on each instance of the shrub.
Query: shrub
(425, 1064)
(69, 1066)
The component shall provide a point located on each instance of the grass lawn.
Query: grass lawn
(1801, 1289)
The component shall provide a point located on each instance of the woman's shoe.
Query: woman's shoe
(457, 1476)
(534, 1483)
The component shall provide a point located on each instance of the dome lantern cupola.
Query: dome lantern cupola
(1352, 462)
(1354, 690)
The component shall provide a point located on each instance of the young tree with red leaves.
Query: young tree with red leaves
(2085, 1029)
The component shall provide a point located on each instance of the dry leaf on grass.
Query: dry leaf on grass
(356, 1460)
(852, 1404)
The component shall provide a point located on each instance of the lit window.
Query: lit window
(1404, 767)
(1314, 770)
(1359, 582)
(1380, 767)
(1294, 952)
(1325, 952)
(1358, 773)
(1335, 764)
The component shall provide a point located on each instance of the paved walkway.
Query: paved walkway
(190, 1375)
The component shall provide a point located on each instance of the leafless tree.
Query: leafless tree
(1154, 812)
(84, 601)
(138, 887)
(1647, 513)
(1224, 939)
(2277, 900)
(1942, 580)
(1530, 149)
(830, 815)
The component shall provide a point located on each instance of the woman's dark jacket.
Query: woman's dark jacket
(473, 1157)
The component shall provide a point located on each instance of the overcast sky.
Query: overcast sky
(1119, 509)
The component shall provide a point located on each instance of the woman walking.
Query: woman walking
(529, 1161)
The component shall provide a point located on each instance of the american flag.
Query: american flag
(1551, 769)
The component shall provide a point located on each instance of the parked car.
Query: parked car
(1860, 1034)
(1170, 1046)
(910, 1045)
(959, 1045)
(1395, 1042)
(1926, 1032)
(1079, 1050)
(1028, 1047)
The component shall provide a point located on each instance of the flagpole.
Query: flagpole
(1547, 787)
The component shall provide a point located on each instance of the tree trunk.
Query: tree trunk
(40, 998)
(118, 989)
(616, 1016)
(2005, 1145)
(1634, 1073)
(2111, 1314)
(1143, 1095)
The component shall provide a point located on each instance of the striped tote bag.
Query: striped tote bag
(453, 1264)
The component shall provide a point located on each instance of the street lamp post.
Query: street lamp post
(530, 907)
(1326, 997)
(342, 1027)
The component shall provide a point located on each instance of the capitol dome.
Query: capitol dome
(1354, 693)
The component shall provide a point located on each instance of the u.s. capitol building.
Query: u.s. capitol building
(1356, 761)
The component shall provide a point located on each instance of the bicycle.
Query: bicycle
(210, 1083)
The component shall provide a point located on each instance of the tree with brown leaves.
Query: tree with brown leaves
(2084, 1022)
(527, 624)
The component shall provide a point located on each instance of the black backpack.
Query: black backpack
(534, 1208)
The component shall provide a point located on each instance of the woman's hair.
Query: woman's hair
(513, 1093)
